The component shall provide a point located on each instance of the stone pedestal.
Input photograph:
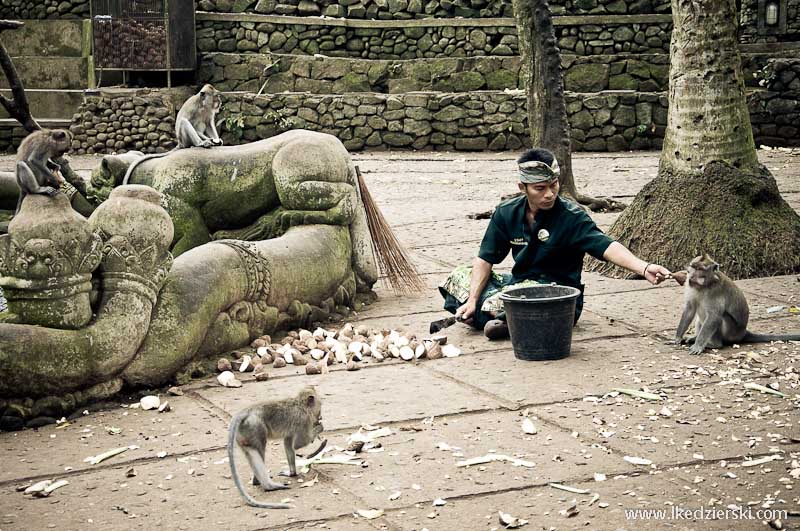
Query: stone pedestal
(46, 263)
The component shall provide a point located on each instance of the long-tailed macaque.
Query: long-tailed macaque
(720, 308)
(296, 420)
(35, 171)
(195, 125)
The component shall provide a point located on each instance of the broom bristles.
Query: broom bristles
(393, 259)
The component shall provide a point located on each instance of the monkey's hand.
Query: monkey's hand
(217, 142)
(49, 190)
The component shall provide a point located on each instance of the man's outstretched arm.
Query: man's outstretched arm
(619, 255)
(481, 270)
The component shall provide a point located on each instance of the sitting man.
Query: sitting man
(547, 236)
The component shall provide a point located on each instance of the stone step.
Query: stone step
(55, 104)
(50, 38)
(12, 133)
(52, 72)
(412, 39)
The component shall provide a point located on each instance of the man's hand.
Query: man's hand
(656, 274)
(466, 311)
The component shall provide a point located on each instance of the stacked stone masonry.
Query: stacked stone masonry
(121, 122)
(612, 121)
(293, 73)
(749, 28)
(411, 9)
(42, 9)
(419, 42)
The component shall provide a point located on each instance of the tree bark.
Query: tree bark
(711, 194)
(547, 110)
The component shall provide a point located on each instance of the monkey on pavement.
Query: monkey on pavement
(720, 308)
(195, 125)
(296, 420)
(34, 168)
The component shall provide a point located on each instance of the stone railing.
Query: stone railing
(415, 39)
(295, 73)
(410, 9)
(40, 9)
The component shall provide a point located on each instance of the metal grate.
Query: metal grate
(130, 34)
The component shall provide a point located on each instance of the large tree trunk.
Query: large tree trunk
(711, 194)
(547, 110)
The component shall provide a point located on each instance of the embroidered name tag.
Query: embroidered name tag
(518, 241)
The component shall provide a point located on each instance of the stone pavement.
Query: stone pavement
(699, 436)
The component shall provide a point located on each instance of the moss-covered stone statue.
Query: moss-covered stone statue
(98, 304)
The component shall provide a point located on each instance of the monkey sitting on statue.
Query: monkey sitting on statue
(296, 420)
(720, 308)
(35, 171)
(195, 125)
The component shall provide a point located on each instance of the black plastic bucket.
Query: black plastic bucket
(540, 320)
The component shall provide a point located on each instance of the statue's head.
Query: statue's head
(110, 173)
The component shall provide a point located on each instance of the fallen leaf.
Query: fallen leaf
(511, 522)
(370, 514)
(528, 427)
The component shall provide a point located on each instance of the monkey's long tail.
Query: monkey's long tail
(252, 502)
(766, 338)
(135, 163)
(392, 257)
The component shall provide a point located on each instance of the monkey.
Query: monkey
(297, 420)
(720, 308)
(35, 169)
(194, 127)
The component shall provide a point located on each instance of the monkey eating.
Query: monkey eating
(36, 173)
(720, 309)
(195, 125)
(296, 420)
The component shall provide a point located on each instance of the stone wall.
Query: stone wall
(113, 122)
(409, 9)
(419, 42)
(293, 73)
(39, 9)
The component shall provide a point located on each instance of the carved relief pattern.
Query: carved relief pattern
(257, 268)
(41, 258)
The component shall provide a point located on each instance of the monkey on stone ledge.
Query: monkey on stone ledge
(35, 169)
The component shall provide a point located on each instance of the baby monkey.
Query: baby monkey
(36, 172)
(720, 308)
(296, 420)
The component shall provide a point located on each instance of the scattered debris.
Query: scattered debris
(637, 460)
(370, 514)
(44, 488)
(511, 522)
(489, 458)
(638, 394)
(570, 511)
(438, 502)
(149, 402)
(756, 387)
(368, 435)
(228, 379)
(761, 461)
(573, 490)
(528, 426)
(93, 460)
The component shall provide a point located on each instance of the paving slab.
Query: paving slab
(413, 463)
(195, 493)
(703, 422)
(188, 427)
(542, 507)
(386, 393)
(663, 312)
(785, 289)
(592, 368)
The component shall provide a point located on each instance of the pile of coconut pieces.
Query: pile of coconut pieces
(316, 350)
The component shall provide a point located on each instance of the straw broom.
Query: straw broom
(393, 259)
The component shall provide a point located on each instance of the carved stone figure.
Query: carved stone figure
(254, 191)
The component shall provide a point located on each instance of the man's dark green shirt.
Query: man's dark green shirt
(570, 233)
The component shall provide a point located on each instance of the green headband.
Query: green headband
(536, 171)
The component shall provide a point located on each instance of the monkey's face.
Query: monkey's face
(212, 98)
(702, 272)
(61, 140)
